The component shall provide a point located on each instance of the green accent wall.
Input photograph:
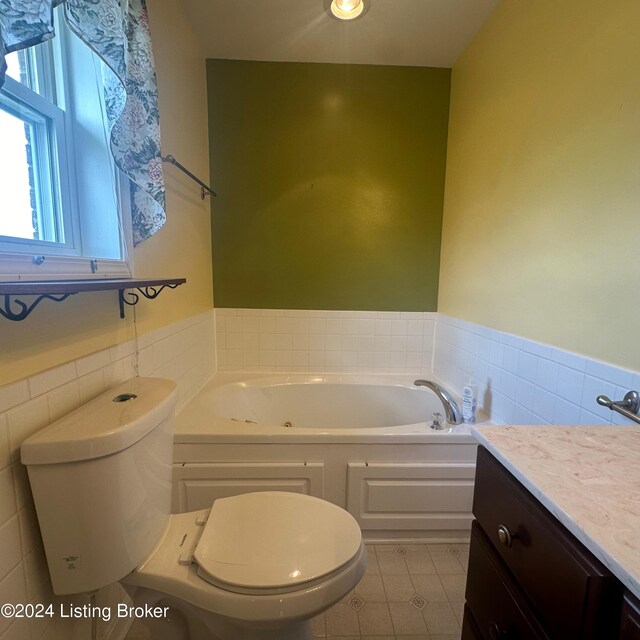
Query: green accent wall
(330, 182)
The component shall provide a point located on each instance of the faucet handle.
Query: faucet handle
(437, 422)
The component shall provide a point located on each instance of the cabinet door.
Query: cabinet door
(470, 629)
(630, 619)
(497, 605)
(576, 596)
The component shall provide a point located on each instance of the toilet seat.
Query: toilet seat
(274, 542)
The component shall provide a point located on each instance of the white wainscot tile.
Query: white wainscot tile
(349, 343)
(121, 350)
(547, 375)
(300, 326)
(316, 360)
(317, 326)
(398, 343)
(5, 448)
(12, 589)
(248, 312)
(268, 341)
(300, 342)
(251, 357)
(251, 325)
(283, 358)
(63, 400)
(568, 359)
(234, 324)
(413, 361)
(268, 325)
(268, 358)
(566, 412)
(527, 366)
(544, 404)
(383, 343)
(366, 343)
(11, 545)
(284, 341)
(333, 343)
(399, 327)
(26, 420)
(251, 341)
(11, 395)
(300, 358)
(52, 378)
(524, 393)
(591, 389)
(570, 384)
(588, 418)
(233, 341)
(93, 362)
(317, 342)
(510, 359)
(349, 359)
(609, 373)
(8, 506)
(382, 327)
(284, 326)
(333, 358)
(334, 326)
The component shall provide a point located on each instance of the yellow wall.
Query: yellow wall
(542, 199)
(56, 333)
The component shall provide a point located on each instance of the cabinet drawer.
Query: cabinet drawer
(495, 602)
(573, 592)
(630, 618)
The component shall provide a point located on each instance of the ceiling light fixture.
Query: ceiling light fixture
(347, 9)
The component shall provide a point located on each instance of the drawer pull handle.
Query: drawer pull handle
(495, 633)
(505, 536)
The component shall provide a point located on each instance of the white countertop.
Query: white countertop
(587, 477)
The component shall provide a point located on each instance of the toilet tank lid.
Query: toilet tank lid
(108, 424)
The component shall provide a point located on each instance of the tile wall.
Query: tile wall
(327, 341)
(184, 352)
(525, 382)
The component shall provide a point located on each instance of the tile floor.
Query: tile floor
(409, 592)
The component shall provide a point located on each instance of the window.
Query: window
(62, 199)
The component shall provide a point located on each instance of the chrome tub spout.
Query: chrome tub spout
(452, 411)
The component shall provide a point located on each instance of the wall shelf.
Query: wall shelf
(129, 292)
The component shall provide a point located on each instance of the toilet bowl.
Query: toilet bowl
(256, 563)
(257, 566)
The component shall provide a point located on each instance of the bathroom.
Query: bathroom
(394, 219)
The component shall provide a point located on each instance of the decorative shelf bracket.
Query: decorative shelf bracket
(147, 292)
(25, 309)
(14, 308)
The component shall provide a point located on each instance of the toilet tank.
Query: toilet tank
(101, 482)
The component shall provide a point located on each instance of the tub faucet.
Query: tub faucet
(451, 409)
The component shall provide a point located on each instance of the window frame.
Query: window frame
(27, 259)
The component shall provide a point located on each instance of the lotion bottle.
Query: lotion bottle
(469, 402)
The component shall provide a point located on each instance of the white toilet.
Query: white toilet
(254, 566)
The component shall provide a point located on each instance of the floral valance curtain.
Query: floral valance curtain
(118, 31)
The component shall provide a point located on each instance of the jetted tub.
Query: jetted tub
(363, 442)
(316, 408)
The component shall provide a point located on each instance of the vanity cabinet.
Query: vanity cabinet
(530, 578)
(630, 618)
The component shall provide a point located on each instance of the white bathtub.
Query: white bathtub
(316, 408)
(362, 442)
